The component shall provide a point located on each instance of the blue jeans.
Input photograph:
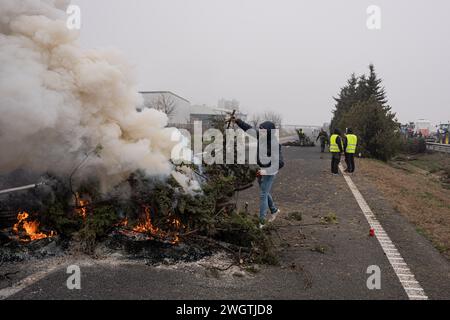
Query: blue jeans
(265, 198)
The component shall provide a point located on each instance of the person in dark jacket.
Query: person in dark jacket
(323, 136)
(268, 171)
(350, 145)
(336, 149)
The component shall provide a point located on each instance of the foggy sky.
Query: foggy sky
(290, 56)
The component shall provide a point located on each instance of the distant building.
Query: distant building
(182, 115)
(179, 106)
(228, 104)
(208, 115)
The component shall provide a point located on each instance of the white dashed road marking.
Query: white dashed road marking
(401, 269)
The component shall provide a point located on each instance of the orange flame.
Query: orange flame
(31, 228)
(146, 226)
(123, 223)
(81, 204)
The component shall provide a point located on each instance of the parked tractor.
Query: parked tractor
(443, 133)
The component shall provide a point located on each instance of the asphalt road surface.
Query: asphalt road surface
(320, 257)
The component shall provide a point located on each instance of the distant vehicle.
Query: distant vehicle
(443, 133)
(420, 128)
(423, 128)
(444, 127)
(408, 129)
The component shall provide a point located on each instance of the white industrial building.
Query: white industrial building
(183, 114)
(207, 114)
(181, 106)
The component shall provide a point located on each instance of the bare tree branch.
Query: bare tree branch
(256, 120)
(164, 103)
(274, 117)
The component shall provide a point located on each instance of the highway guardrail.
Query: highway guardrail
(438, 147)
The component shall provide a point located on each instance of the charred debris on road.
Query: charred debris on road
(142, 218)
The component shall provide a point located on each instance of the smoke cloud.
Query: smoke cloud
(59, 102)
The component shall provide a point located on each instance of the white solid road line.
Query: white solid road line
(394, 257)
(28, 281)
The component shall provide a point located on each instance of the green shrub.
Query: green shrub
(58, 219)
(376, 129)
(242, 230)
(97, 225)
(414, 145)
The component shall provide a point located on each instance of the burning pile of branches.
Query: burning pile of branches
(141, 209)
(29, 230)
(145, 227)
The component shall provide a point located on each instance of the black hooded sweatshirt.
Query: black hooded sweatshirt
(268, 125)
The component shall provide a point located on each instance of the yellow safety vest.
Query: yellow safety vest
(333, 144)
(352, 141)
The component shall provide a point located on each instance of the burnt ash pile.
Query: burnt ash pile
(154, 251)
(14, 251)
(142, 218)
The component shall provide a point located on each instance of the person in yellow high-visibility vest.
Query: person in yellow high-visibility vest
(336, 149)
(351, 142)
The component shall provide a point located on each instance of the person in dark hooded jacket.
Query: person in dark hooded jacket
(268, 171)
(337, 148)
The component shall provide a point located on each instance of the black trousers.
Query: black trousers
(350, 161)
(335, 160)
(322, 147)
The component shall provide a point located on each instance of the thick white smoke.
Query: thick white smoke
(59, 101)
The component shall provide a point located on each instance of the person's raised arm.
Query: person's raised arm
(243, 125)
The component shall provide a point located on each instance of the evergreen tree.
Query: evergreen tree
(363, 106)
(374, 88)
(345, 100)
(376, 128)
(362, 92)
